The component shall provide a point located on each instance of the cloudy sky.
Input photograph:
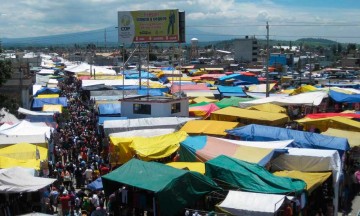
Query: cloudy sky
(288, 19)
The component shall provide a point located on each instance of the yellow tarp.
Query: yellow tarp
(336, 122)
(304, 88)
(245, 116)
(312, 180)
(260, 87)
(52, 108)
(208, 127)
(251, 154)
(192, 166)
(180, 78)
(48, 96)
(268, 107)
(146, 148)
(23, 155)
(203, 99)
(353, 137)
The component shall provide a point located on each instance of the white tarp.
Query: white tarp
(308, 98)
(37, 88)
(33, 139)
(143, 133)
(19, 180)
(266, 144)
(6, 117)
(114, 126)
(118, 82)
(46, 71)
(254, 204)
(85, 67)
(35, 113)
(312, 160)
(26, 128)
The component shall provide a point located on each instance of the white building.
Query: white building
(246, 49)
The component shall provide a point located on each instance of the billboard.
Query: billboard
(148, 26)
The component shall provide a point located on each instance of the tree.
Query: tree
(5, 69)
(351, 47)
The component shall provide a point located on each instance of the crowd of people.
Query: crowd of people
(77, 157)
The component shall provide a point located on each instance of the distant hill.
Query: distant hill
(97, 37)
(319, 41)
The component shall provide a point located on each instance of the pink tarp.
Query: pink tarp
(327, 115)
(186, 87)
(203, 111)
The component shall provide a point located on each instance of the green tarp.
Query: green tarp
(174, 189)
(226, 102)
(250, 177)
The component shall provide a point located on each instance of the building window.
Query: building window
(142, 109)
(175, 108)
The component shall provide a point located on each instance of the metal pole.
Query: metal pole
(267, 60)
(123, 70)
(148, 72)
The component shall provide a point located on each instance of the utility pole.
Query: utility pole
(267, 60)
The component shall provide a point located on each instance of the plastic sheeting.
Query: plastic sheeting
(95, 185)
(18, 180)
(249, 116)
(6, 117)
(301, 139)
(109, 109)
(192, 166)
(323, 124)
(202, 111)
(260, 88)
(235, 90)
(22, 155)
(309, 99)
(352, 137)
(144, 123)
(312, 179)
(52, 108)
(48, 96)
(38, 103)
(252, 204)
(208, 127)
(203, 99)
(344, 98)
(146, 148)
(26, 128)
(143, 133)
(268, 107)
(204, 148)
(167, 183)
(250, 177)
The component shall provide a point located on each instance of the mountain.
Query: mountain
(97, 37)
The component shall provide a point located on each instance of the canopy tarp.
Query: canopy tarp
(327, 115)
(252, 204)
(144, 123)
(312, 179)
(208, 127)
(52, 108)
(203, 99)
(352, 137)
(26, 128)
(308, 98)
(281, 144)
(204, 148)
(203, 93)
(143, 133)
(192, 166)
(333, 122)
(250, 177)
(301, 139)
(260, 87)
(201, 86)
(46, 90)
(19, 180)
(109, 109)
(249, 116)
(7, 117)
(202, 111)
(167, 183)
(304, 88)
(199, 104)
(343, 97)
(234, 90)
(232, 101)
(38, 103)
(146, 148)
(48, 96)
(22, 155)
(102, 119)
(268, 107)
(95, 185)
(33, 113)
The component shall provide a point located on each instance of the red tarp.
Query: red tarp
(199, 86)
(327, 115)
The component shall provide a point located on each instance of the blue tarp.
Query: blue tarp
(47, 90)
(231, 91)
(249, 79)
(241, 82)
(38, 103)
(109, 109)
(143, 74)
(344, 98)
(109, 118)
(95, 185)
(151, 92)
(302, 139)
